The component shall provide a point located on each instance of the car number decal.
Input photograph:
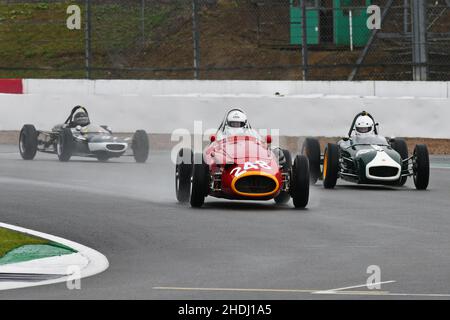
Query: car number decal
(237, 171)
(259, 164)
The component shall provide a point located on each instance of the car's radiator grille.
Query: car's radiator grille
(115, 147)
(255, 184)
(383, 171)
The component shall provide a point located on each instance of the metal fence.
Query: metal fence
(227, 39)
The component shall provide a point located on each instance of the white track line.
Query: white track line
(234, 289)
(353, 287)
(310, 291)
(389, 294)
(445, 295)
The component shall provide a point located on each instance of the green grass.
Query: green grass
(35, 36)
(10, 239)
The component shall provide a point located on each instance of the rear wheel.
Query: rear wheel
(300, 181)
(401, 147)
(421, 167)
(330, 166)
(311, 149)
(140, 146)
(64, 146)
(28, 142)
(183, 173)
(284, 196)
(200, 181)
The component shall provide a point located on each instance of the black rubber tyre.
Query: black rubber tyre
(401, 147)
(330, 166)
(140, 146)
(300, 181)
(284, 196)
(200, 181)
(64, 147)
(102, 157)
(421, 167)
(183, 174)
(28, 142)
(311, 149)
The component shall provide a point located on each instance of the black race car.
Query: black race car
(367, 159)
(86, 140)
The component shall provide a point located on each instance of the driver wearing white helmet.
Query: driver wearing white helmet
(364, 126)
(236, 122)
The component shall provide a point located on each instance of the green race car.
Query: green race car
(365, 157)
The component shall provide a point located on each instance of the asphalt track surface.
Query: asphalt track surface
(159, 249)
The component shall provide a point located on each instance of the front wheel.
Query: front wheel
(64, 146)
(183, 173)
(200, 182)
(421, 167)
(140, 146)
(300, 181)
(330, 166)
(28, 142)
(102, 157)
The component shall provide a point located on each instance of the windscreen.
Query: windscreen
(373, 139)
(229, 132)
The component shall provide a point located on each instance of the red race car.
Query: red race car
(239, 164)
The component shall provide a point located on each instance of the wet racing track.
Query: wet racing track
(159, 249)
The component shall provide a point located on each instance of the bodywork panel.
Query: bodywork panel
(369, 163)
(246, 167)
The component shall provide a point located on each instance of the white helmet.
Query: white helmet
(364, 125)
(236, 119)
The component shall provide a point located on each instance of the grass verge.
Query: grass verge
(10, 240)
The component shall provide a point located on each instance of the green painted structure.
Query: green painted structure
(325, 25)
(312, 22)
(341, 22)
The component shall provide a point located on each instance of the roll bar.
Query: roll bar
(75, 109)
(224, 121)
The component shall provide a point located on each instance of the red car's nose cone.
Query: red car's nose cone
(255, 184)
(248, 169)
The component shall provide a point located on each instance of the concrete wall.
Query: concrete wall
(234, 87)
(410, 109)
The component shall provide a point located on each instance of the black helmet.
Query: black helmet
(81, 119)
